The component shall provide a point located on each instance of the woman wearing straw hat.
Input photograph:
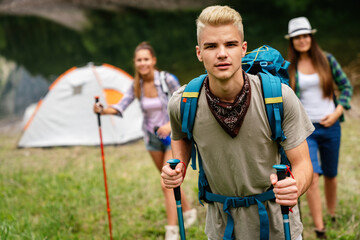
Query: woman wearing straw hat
(312, 76)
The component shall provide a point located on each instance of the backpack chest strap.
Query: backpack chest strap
(236, 202)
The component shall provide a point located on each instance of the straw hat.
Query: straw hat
(299, 26)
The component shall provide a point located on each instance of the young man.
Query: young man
(233, 134)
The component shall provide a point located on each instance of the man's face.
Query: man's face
(221, 49)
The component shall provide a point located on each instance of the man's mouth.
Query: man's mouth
(222, 65)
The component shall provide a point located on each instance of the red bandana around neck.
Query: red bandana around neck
(230, 116)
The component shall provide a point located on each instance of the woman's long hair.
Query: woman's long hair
(320, 63)
(141, 46)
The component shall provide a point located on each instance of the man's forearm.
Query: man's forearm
(301, 166)
(181, 150)
(303, 174)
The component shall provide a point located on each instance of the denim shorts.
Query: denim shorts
(154, 143)
(325, 142)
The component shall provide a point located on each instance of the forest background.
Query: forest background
(48, 49)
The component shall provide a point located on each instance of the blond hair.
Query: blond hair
(219, 15)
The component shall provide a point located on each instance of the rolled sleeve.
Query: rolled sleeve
(175, 115)
(296, 123)
(124, 102)
(342, 82)
(173, 82)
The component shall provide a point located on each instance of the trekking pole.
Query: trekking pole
(281, 174)
(104, 170)
(177, 194)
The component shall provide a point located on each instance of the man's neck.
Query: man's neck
(226, 90)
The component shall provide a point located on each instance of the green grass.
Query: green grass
(348, 217)
(58, 193)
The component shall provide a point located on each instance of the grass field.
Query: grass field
(58, 193)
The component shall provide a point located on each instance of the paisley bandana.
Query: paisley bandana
(230, 116)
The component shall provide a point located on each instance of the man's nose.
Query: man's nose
(222, 53)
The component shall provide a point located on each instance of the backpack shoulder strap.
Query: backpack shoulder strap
(164, 85)
(188, 104)
(188, 107)
(271, 86)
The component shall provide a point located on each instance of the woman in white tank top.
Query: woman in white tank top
(312, 76)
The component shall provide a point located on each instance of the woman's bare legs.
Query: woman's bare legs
(314, 201)
(330, 194)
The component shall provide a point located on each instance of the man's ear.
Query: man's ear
(198, 53)
(244, 48)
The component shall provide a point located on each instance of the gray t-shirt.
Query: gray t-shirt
(241, 166)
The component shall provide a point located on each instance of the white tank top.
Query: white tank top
(311, 96)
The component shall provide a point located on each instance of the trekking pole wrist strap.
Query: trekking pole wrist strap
(184, 169)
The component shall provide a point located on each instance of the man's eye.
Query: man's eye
(209, 46)
(231, 44)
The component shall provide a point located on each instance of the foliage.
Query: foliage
(41, 46)
(49, 49)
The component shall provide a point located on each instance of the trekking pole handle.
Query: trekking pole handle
(98, 114)
(281, 174)
(173, 163)
(177, 194)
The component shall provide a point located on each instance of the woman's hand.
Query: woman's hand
(164, 130)
(330, 119)
(98, 108)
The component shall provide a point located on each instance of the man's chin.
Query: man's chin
(223, 77)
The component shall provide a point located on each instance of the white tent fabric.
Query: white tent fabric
(65, 116)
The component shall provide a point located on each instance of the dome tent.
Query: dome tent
(65, 117)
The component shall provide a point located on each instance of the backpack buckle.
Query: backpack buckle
(264, 64)
(246, 202)
(237, 202)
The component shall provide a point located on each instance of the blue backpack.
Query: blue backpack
(272, 70)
